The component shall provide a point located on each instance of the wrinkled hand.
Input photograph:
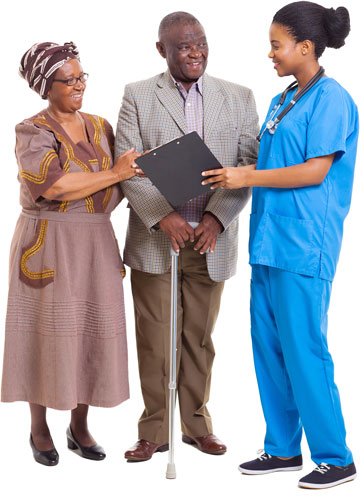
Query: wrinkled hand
(229, 177)
(207, 232)
(177, 230)
(125, 165)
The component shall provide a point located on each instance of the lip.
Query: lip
(276, 65)
(77, 96)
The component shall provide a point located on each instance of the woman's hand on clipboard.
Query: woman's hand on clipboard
(228, 177)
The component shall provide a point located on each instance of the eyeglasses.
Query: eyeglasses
(73, 81)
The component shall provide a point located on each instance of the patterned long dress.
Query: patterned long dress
(65, 339)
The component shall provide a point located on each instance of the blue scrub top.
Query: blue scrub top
(300, 229)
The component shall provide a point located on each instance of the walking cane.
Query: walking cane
(171, 470)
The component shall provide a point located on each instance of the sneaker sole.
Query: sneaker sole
(265, 472)
(305, 485)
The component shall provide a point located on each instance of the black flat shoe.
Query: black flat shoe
(94, 452)
(45, 457)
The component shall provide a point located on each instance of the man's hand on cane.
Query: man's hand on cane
(207, 232)
(177, 230)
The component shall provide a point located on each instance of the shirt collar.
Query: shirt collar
(198, 84)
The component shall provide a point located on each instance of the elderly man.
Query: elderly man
(155, 111)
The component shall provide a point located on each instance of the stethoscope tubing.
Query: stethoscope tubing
(272, 123)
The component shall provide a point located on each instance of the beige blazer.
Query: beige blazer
(151, 114)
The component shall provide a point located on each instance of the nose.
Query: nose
(271, 54)
(80, 85)
(195, 53)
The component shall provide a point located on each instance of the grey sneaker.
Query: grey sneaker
(328, 475)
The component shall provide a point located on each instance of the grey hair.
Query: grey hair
(176, 18)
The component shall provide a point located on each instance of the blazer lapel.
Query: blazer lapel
(213, 102)
(169, 96)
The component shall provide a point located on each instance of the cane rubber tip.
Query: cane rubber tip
(171, 471)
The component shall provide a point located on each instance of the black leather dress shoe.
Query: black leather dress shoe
(45, 457)
(94, 452)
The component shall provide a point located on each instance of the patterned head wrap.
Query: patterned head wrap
(39, 64)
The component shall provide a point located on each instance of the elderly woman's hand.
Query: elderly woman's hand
(125, 165)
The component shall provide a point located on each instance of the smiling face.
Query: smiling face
(186, 51)
(63, 97)
(286, 54)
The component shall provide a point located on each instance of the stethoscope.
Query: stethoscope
(272, 124)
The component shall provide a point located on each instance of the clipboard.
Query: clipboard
(175, 168)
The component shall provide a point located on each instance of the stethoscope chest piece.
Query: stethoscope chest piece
(271, 126)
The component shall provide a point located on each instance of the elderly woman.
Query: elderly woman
(65, 344)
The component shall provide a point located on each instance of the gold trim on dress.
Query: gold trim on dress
(64, 206)
(105, 158)
(44, 166)
(31, 252)
(89, 204)
(108, 194)
(102, 124)
(97, 140)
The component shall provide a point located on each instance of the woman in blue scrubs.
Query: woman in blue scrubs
(302, 191)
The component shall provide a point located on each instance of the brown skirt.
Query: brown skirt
(65, 341)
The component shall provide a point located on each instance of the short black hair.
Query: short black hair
(311, 21)
(179, 17)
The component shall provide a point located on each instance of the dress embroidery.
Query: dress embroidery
(43, 274)
(44, 166)
(105, 158)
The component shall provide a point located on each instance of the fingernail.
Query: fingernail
(212, 188)
(203, 174)
(203, 183)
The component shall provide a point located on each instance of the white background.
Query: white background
(117, 45)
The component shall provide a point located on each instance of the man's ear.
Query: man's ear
(161, 49)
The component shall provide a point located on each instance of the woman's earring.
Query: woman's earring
(303, 53)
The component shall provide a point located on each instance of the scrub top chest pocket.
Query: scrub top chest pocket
(286, 145)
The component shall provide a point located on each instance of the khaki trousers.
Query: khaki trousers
(198, 308)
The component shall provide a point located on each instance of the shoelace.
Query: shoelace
(322, 468)
(263, 456)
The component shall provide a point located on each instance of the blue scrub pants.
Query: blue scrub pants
(294, 368)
